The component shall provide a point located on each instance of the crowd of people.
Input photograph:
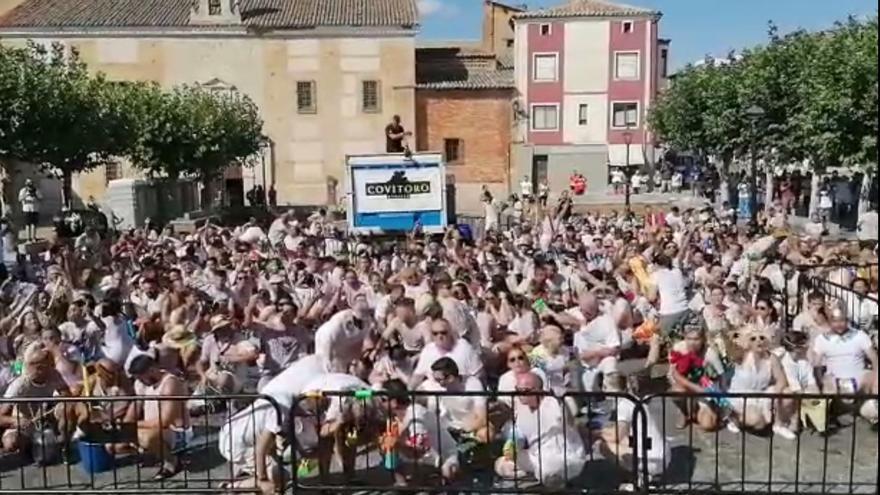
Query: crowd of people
(554, 303)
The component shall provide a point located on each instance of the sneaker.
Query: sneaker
(733, 428)
(784, 432)
(78, 434)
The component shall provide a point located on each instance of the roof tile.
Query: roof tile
(442, 68)
(588, 8)
(291, 14)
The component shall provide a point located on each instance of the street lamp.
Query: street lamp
(754, 113)
(627, 138)
(265, 148)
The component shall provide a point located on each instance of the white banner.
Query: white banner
(382, 190)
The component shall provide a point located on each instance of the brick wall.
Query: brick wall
(480, 118)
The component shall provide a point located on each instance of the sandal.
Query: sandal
(164, 474)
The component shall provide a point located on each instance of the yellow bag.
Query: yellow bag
(815, 411)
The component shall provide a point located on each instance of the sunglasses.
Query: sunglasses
(436, 334)
(762, 308)
(755, 338)
(513, 359)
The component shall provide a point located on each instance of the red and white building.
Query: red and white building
(586, 73)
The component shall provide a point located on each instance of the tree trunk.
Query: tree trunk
(724, 181)
(67, 189)
(768, 187)
(864, 194)
(814, 192)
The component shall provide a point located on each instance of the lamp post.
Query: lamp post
(265, 147)
(627, 138)
(754, 113)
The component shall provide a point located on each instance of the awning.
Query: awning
(617, 155)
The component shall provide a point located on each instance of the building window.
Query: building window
(626, 65)
(583, 113)
(545, 29)
(626, 27)
(305, 97)
(214, 7)
(370, 96)
(111, 172)
(545, 117)
(452, 148)
(545, 67)
(664, 62)
(625, 114)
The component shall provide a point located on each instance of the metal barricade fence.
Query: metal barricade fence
(551, 444)
(821, 459)
(81, 445)
(859, 307)
(540, 448)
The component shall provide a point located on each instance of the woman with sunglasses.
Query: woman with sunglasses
(757, 370)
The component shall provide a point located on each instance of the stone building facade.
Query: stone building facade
(327, 77)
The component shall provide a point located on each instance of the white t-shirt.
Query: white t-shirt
(844, 355)
(29, 199)
(464, 355)
(671, 288)
(457, 410)
(659, 449)
(335, 382)
(554, 445)
(601, 332)
(339, 341)
(799, 374)
(117, 342)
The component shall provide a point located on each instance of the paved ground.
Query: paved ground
(812, 464)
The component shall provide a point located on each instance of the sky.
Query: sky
(696, 27)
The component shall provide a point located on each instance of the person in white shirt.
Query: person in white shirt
(29, 197)
(615, 438)
(445, 343)
(799, 373)
(597, 344)
(525, 187)
(672, 292)
(344, 338)
(546, 442)
(845, 354)
(423, 436)
(465, 414)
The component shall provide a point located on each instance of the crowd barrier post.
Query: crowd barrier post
(752, 463)
(111, 452)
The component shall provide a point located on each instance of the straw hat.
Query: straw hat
(220, 321)
(178, 337)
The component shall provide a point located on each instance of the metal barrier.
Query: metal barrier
(859, 307)
(524, 442)
(720, 461)
(50, 459)
(514, 449)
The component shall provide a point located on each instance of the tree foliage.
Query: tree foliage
(195, 132)
(58, 116)
(818, 91)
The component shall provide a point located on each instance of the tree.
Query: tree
(194, 132)
(818, 92)
(72, 122)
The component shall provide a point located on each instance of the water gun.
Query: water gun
(637, 265)
(711, 388)
(389, 440)
(509, 450)
(646, 330)
(306, 467)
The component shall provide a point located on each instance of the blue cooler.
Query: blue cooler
(94, 458)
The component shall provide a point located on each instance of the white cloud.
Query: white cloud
(430, 7)
(441, 8)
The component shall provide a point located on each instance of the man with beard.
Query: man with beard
(282, 339)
